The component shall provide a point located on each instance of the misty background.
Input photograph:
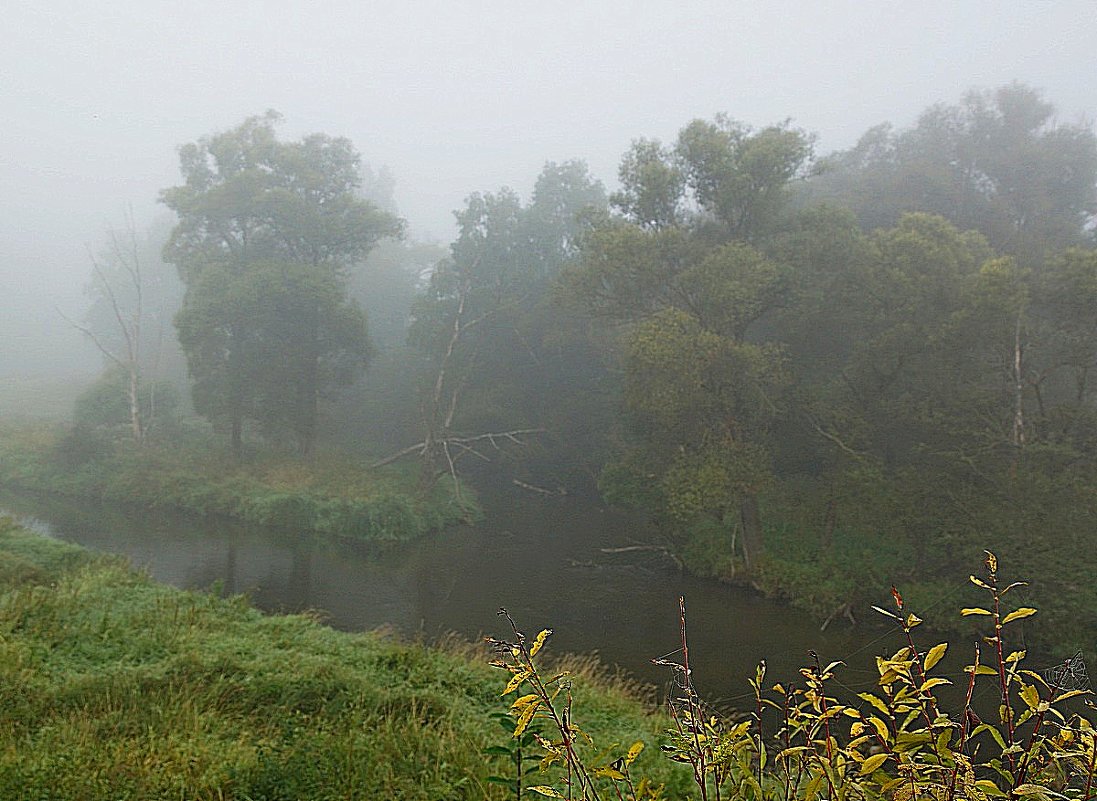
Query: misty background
(449, 98)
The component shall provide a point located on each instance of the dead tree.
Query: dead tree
(442, 447)
(122, 254)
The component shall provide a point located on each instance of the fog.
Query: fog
(451, 97)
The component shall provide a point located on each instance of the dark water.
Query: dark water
(538, 557)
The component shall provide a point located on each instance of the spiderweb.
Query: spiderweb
(1069, 674)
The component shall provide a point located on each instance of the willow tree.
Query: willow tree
(681, 271)
(267, 231)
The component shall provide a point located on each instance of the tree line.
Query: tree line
(885, 350)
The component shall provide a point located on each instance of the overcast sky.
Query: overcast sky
(455, 96)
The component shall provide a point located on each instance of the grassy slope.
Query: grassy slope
(332, 497)
(112, 686)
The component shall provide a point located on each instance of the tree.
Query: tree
(487, 324)
(266, 233)
(998, 162)
(119, 285)
(682, 272)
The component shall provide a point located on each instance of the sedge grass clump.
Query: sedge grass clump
(803, 741)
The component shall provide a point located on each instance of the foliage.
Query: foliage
(330, 496)
(267, 231)
(502, 356)
(900, 741)
(105, 402)
(114, 687)
(998, 162)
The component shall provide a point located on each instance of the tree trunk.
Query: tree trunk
(237, 438)
(308, 384)
(752, 531)
(135, 406)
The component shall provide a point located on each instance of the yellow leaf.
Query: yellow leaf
(1024, 611)
(515, 682)
(634, 751)
(1015, 656)
(1030, 695)
(929, 684)
(608, 772)
(540, 641)
(974, 610)
(991, 562)
(934, 655)
(880, 726)
(875, 701)
(520, 703)
(545, 790)
(873, 762)
(526, 717)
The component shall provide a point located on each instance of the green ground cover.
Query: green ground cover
(115, 687)
(330, 495)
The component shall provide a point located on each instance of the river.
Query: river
(538, 557)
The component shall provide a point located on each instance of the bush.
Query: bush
(900, 742)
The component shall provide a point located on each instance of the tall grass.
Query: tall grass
(334, 497)
(115, 687)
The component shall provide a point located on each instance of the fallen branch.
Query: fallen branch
(662, 549)
(462, 442)
(541, 490)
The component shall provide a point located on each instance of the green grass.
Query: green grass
(115, 687)
(329, 496)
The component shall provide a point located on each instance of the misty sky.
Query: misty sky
(453, 97)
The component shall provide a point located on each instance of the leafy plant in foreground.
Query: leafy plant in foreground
(585, 770)
(898, 742)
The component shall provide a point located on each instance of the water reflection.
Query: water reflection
(538, 557)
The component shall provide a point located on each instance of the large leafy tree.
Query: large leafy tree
(683, 272)
(998, 162)
(266, 233)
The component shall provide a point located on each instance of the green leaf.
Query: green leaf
(872, 763)
(497, 750)
(997, 735)
(990, 788)
(929, 684)
(1032, 790)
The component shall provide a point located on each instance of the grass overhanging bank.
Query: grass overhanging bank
(329, 496)
(114, 686)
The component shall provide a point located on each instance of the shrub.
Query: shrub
(899, 742)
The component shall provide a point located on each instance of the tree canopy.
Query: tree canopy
(266, 233)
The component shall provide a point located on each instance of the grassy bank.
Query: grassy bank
(835, 550)
(328, 496)
(114, 687)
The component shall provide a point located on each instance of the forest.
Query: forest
(839, 380)
(818, 374)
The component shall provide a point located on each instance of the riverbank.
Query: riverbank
(330, 495)
(113, 686)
